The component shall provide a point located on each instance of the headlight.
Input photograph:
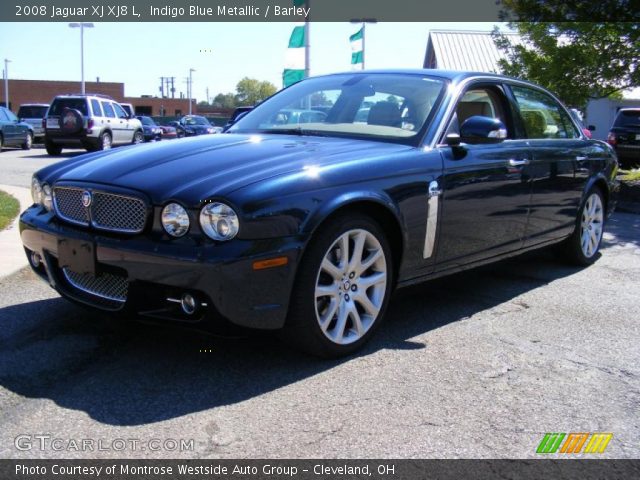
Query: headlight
(175, 220)
(36, 191)
(219, 221)
(47, 199)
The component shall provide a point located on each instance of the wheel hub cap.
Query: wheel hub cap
(592, 225)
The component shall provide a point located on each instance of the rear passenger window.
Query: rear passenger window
(108, 110)
(543, 117)
(95, 106)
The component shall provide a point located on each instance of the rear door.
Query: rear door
(486, 185)
(559, 164)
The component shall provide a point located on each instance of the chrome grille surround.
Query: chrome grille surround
(108, 211)
(106, 285)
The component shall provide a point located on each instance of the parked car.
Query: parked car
(128, 108)
(197, 125)
(33, 114)
(308, 228)
(180, 130)
(295, 116)
(13, 132)
(169, 132)
(93, 122)
(151, 129)
(624, 136)
(235, 116)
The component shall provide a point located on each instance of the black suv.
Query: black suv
(93, 122)
(624, 136)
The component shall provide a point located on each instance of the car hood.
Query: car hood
(198, 168)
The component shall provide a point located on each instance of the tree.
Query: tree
(225, 100)
(579, 61)
(251, 91)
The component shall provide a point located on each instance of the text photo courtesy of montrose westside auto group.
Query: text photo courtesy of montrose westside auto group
(319, 239)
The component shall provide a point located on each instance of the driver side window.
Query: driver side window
(478, 101)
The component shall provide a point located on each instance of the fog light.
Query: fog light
(188, 303)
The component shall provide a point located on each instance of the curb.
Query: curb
(12, 257)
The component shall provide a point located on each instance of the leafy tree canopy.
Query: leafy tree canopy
(251, 91)
(578, 60)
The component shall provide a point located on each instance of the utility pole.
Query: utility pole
(6, 82)
(82, 26)
(173, 89)
(191, 70)
(161, 87)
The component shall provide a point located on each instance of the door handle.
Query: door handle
(518, 162)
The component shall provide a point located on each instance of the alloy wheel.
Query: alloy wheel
(350, 286)
(591, 225)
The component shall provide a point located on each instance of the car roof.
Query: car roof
(453, 75)
(629, 109)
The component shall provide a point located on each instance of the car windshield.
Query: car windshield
(391, 107)
(628, 118)
(32, 111)
(196, 121)
(147, 121)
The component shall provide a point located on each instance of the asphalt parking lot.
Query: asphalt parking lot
(479, 365)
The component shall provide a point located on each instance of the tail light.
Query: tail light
(90, 124)
(612, 139)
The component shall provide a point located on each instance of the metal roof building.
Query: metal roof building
(464, 50)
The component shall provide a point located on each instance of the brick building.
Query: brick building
(43, 91)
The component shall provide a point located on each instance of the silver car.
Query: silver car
(33, 113)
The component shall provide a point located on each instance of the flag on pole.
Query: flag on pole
(357, 56)
(294, 62)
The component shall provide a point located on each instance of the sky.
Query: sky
(138, 54)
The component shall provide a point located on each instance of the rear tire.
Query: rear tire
(52, 149)
(582, 247)
(104, 141)
(339, 301)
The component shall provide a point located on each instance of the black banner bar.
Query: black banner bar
(314, 10)
(319, 469)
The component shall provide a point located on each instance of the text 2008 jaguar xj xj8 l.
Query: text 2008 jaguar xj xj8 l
(386, 178)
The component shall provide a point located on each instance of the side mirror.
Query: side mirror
(591, 128)
(480, 129)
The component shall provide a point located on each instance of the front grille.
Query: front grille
(107, 211)
(106, 285)
(117, 212)
(68, 203)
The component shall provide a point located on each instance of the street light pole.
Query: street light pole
(82, 26)
(6, 82)
(191, 70)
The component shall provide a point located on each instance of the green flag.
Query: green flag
(294, 63)
(357, 54)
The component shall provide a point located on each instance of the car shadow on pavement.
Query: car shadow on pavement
(131, 374)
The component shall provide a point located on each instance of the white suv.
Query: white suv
(93, 122)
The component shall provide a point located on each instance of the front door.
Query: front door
(487, 186)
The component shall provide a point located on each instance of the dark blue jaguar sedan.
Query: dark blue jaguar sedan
(308, 228)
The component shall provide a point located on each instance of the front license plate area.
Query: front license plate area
(77, 255)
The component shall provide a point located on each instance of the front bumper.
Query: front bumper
(219, 275)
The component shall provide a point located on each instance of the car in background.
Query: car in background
(33, 114)
(197, 125)
(93, 122)
(295, 117)
(169, 132)
(309, 228)
(577, 116)
(624, 137)
(13, 132)
(150, 129)
(235, 116)
(180, 131)
(127, 107)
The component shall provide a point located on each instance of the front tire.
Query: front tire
(138, 137)
(582, 247)
(342, 288)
